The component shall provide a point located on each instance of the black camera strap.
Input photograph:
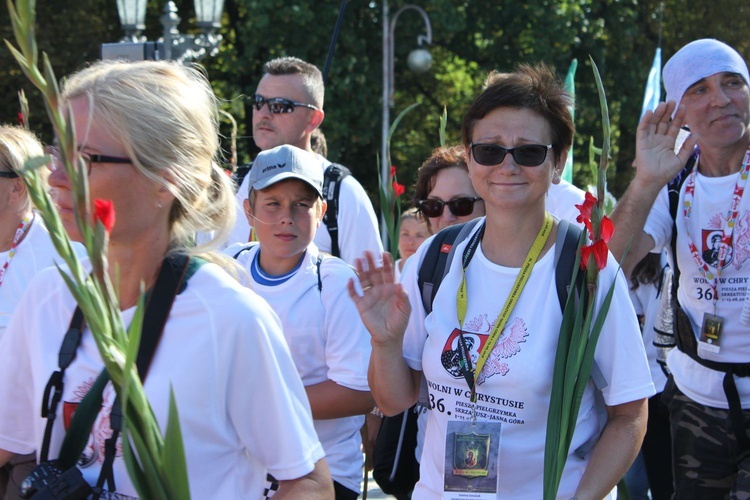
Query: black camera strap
(172, 279)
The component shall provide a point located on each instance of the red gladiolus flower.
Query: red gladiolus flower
(393, 170)
(21, 119)
(600, 251)
(586, 208)
(398, 189)
(104, 212)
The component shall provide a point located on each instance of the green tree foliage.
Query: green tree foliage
(470, 38)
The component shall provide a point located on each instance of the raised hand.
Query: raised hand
(655, 159)
(383, 305)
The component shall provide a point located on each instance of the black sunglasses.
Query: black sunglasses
(277, 105)
(460, 207)
(8, 175)
(88, 159)
(528, 155)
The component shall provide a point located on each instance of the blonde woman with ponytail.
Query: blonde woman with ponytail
(149, 136)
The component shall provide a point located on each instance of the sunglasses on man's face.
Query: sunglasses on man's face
(528, 155)
(8, 175)
(277, 105)
(460, 207)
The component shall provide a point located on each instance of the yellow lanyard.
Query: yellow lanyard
(510, 302)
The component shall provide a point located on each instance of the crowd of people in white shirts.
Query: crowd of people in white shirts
(278, 351)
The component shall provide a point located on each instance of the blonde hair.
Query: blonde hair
(18, 145)
(166, 117)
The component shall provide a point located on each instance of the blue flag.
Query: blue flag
(652, 96)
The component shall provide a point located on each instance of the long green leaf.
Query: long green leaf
(136, 475)
(601, 184)
(394, 125)
(154, 488)
(173, 453)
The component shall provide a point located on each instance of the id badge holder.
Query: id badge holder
(711, 331)
(472, 454)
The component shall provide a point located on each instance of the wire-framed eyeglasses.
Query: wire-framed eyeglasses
(88, 158)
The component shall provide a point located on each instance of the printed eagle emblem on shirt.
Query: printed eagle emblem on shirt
(507, 346)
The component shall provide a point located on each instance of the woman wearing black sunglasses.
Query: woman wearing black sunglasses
(489, 367)
(443, 193)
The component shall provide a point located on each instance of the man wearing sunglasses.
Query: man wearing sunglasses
(287, 109)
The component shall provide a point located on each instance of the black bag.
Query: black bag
(394, 464)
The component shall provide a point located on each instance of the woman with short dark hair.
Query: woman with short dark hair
(489, 368)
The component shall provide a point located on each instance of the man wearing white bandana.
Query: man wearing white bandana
(709, 391)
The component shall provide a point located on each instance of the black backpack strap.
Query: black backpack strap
(318, 262)
(244, 249)
(54, 389)
(332, 178)
(437, 259)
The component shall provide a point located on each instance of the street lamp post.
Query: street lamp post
(177, 46)
(419, 61)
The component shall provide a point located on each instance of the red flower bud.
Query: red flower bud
(104, 212)
(393, 170)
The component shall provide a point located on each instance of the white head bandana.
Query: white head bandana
(698, 60)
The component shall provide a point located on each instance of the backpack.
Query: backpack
(395, 467)
(439, 255)
(332, 178)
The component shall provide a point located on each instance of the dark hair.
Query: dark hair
(647, 272)
(312, 78)
(318, 142)
(441, 158)
(532, 87)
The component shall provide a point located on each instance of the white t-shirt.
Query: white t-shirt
(242, 407)
(710, 205)
(518, 373)
(357, 223)
(33, 253)
(328, 341)
(646, 303)
(560, 202)
(562, 199)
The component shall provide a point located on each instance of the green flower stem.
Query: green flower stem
(579, 333)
